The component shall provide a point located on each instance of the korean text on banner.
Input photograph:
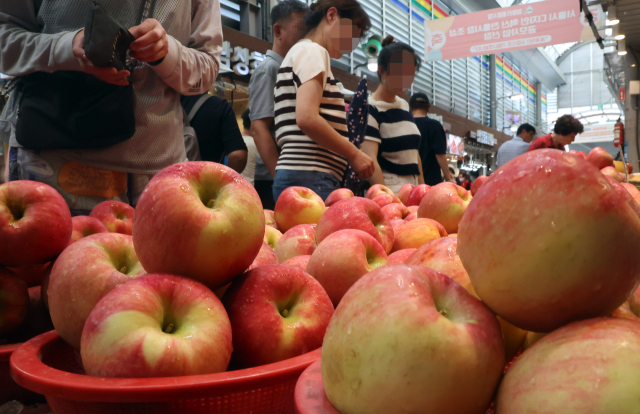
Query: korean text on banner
(527, 26)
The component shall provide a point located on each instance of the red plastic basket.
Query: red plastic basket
(46, 364)
(9, 390)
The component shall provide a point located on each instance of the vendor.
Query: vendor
(564, 133)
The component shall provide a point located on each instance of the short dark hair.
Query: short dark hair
(527, 128)
(347, 9)
(419, 100)
(389, 47)
(452, 170)
(285, 8)
(566, 125)
(246, 120)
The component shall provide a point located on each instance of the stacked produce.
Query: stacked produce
(435, 290)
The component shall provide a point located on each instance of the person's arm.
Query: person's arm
(439, 146)
(190, 69)
(262, 113)
(237, 160)
(371, 149)
(261, 131)
(444, 166)
(421, 176)
(310, 122)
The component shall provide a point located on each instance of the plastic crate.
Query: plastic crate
(47, 365)
(9, 390)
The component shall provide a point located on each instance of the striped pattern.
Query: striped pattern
(515, 79)
(434, 11)
(299, 152)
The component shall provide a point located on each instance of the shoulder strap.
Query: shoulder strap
(198, 105)
(147, 10)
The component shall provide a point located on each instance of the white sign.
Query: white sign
(239, 59)
(486, 138)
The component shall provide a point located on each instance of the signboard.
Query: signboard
(491, 31)
(239, 59)
(486, 138)
(455, 145)
(623, 94)
(596, 133)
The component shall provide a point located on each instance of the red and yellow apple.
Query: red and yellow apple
(600, 158)
(14, 302)
(400, 256)
(417, 194)
(271, 236)
(343, 258)
(475, 187)
(541, 242)
(611, 172)
(376, 190)
(396, 223)
(270, 219)
(115, 215)
(37, 321)
(386, 199)
(266, 256)
(395, 211)
(579, 153)
(84, 226)
(35, 223)
(416, 233)
(337, 195)
(200, 220)
(277, 312)
(297, 241)
(446, 204)
(157, 326)
(407, 338)
(405, 192)
(298, 205)
(300, 262)
(633, 191)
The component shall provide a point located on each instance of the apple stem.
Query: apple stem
(169, 328)
(123, 270)
(211, 203)
(443, 312)
(285, 313)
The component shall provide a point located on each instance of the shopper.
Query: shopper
(311, 126)
(393, 139)
(453, 174)
(564, 133)
(179, 49)
(287, 18)
(217, 130)
(433, 144)
(250, 169)
(516, 146)
(465, 180)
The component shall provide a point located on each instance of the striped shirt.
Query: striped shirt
(392, 126)
(305, 61)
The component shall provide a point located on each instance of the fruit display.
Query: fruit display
(116, 216)
(298, 205)
(416, 233)
(446, 204)
(337, 195)
(299, 240)
(84, 226)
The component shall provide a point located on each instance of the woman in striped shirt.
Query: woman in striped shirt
(310, 117)
(393, 139)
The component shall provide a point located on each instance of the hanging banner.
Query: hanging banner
(492, 31)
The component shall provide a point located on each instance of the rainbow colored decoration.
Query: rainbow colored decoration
(544, 100)
(434, 12)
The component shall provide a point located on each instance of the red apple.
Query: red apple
(541, 242)
(386, 199)
(337, 195)
(395, 211)
(405, 192)
(37, 321)
(477, 184)
(32, 275)
(35, 223)
(266, 256)
(277, 312)
(359, 214)
(632, 190)
(600, 158)
(416, 233)
(298, 205)
(446, 204)
(300, 262)
(629, 168)
(157, 326)
(115, 215)
(44, 291)
(400, 256)
(199, 220)
(611, 172)
(297, 241)
(343, 258)
(584, 367)
(270, 218)
(409, 339)
(83, 274)
(376, 190)
(271, 236)
(579, 153)
(14, 302)
(84, 226)
(396, 223)
(417, 194)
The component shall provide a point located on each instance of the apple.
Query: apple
(84, 226)
(541, 242)
(35, 223)
(394, 211)
(416, 233)
(300, 262)
(632, 190)
(629, 168)
(83, 274)
(299, 240)
(266, 256)
(413, 209)
(343, 258)
(271, 236)
(477, 184)
(407, 338)
(200, 220)
(157, 326)
(337, 195)
(417, 194)
(396, 223)
(115, 215)
(359, 214)
(579, 153)
(277, 312)
(634, 302)
(386, 199)
(400, 256)
(405, 192)
(600, 158)
(625, 312)
(32, 275)
(611, 172)
(376, 190)
(298, 205)
(589, 366)
(411, 217)
(37, 321)
(446, 204)
(270, 219)
(14, 302)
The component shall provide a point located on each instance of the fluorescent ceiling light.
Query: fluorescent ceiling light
(517, 97)
(372, 64)
(620, 37)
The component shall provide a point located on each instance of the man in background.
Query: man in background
(250, 169)
(433, 145)
(516, 146)
(564, 133)
(288, 28)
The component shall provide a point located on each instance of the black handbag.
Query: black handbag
(75, 110)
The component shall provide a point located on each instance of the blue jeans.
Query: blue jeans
(321, 183)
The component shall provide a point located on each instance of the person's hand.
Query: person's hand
(452, 180)
(109, 75)
(362, 164)
(151, 42)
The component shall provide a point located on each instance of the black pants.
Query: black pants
(265, 191)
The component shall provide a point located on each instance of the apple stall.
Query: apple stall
(518, 296)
